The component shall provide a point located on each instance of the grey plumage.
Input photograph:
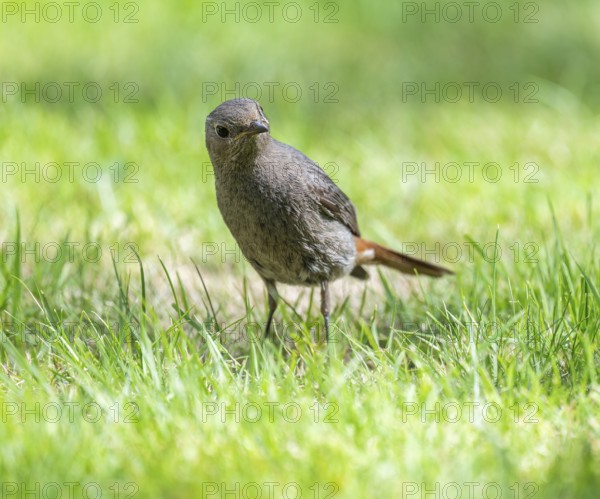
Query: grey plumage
(291, 221)
(280, 206)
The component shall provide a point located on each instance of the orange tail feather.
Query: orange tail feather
(370, 253)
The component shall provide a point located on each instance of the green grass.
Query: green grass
(131, 353)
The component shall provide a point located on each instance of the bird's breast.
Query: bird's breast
(278, 229)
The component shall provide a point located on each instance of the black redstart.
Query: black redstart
(291, 221)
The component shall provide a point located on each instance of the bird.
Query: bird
(291, 221)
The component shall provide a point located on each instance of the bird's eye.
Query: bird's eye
(222, 131)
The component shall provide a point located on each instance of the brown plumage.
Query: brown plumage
(291, 221)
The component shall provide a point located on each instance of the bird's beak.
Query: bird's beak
(256, 127)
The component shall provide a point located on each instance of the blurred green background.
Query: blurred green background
(130, 168)
(351, 63)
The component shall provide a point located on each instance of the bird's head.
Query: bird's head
(235, 126)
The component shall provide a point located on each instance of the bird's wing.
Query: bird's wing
(330, 199)
(333, 202)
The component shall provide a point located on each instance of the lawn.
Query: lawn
(131, 350)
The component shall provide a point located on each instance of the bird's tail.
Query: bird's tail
(370, 253)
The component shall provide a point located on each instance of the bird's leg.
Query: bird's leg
(325, 307)
(273, 297)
